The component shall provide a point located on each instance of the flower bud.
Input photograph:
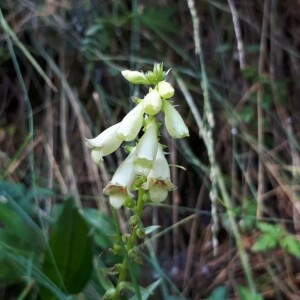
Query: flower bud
(118, 189)
(140, 233)
(126, 238)
(110, 294)
(165, 89)
(135, 77)
(132, 253)
(131, 124)
(152, 103)
(105, 143)
(133, 221)
(129, 203)
(158, 181)
(174, 122)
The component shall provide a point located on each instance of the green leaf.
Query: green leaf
(272, 229)
(290, 245)
(250, 73)
(148, 291)
(218, 293)
(18, 230)
(245, 294)
(264, 242)
(14, 190)
(246, 114)
(68, 260)
(103, 226)
(25, 269)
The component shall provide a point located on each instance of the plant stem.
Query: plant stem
(131, 243)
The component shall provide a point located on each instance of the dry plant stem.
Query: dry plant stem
(209, 122)
(279, 283)
(221, 185)
(295, 168)
(67, 158)
(24, 152)
(235, 192)
(132, 241)
(82, 126)
(215, 174)
(23, 49)
(273, 169)
(193, 239)
(9, 34)
(260, 129)
(176, 202)
(238, 34)
(55, 167)
(49, 138)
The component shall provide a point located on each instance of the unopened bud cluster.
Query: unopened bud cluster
(147, 157)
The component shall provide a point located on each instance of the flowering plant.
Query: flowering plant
(145, 172)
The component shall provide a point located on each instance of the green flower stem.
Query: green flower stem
(132, 241)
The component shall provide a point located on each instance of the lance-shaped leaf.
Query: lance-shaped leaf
(68, 259)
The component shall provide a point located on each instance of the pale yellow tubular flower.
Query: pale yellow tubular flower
(120, 185)
(146, 149)
(158, 181)
(131, 124)
(174, 122)
(152, 103)
(135, 77)
(105, 143)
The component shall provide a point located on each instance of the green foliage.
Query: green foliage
(290, 245)
(245, 294)
(264, 242)
(61, 265)
(68, 260)
(246, 114)
(19, 234)
(248, 214)
(146, 292)
(218, 293)
(273, 235)
(103, 228)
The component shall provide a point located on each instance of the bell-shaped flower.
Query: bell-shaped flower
(118, 189)
(165, 89)
(131, 124)
(146, 149)
(174, 122)
(152, 103)
(135, 77)
(158, 181)
(105, 143)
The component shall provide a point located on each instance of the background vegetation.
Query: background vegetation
(60, 64)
